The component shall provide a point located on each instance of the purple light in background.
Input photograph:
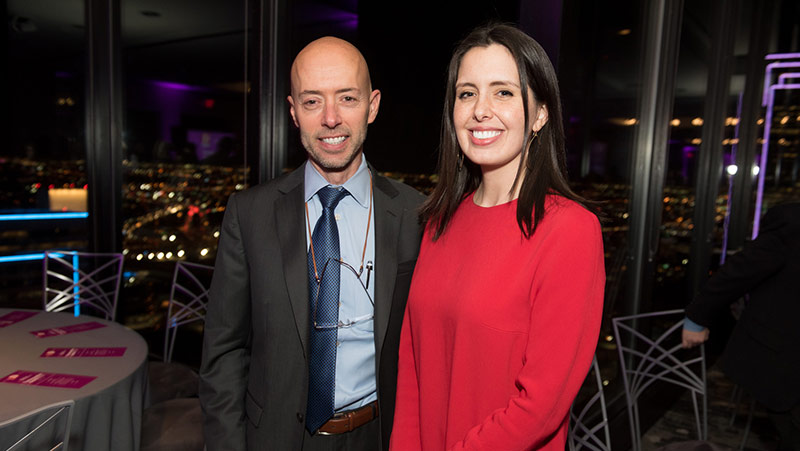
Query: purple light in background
(338, 17)
(688, 154)
(787, 75)
(768, 75)
(728, 159)
(351, 24)
(63, 74)
(177, 86)
(171, 97)
(782, 56)
(206, 142)
(762, 172)
(768, 101)
(731, 160)
(345, 19)
(574, 119)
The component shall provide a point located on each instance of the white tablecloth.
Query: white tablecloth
(108, 410)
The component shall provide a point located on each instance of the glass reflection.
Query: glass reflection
(185, 92)
(43, 157)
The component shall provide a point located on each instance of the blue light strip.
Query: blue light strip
(76, 288)
(21, 258)
(24, 257)
(42, 216)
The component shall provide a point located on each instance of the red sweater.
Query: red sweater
(499, 330)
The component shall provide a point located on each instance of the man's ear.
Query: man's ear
(374, 104)
(291, 110)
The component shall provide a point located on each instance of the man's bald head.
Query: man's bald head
(325, 55)
(332, 102)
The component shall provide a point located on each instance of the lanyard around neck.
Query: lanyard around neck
(366, 236)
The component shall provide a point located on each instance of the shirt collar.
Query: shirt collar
(358, 185)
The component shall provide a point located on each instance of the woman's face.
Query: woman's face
(488, 113)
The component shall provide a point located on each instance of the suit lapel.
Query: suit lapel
(290, 220)
(388, 213)
(290, 223)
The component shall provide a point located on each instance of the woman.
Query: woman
(505, 305)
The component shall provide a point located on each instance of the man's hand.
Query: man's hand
(692, 339)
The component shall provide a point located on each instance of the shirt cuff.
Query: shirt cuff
(692, 326)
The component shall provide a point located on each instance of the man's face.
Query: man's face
(331, 104)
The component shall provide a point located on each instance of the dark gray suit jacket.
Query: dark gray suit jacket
(763, 353)
(254, 375)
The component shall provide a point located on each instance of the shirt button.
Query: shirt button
(337, 216)
(338, 343)
(299, 417)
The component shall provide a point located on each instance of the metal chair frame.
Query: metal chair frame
(583, 436)
(185, 285)
(64, 408)
(643, 366)
(97, 288)
(736, 398)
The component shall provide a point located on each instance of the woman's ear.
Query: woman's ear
(541, 118)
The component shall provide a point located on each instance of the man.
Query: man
(762, 353)
(295, 356)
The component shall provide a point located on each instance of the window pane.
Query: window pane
(43, 161)
(672, 260)
(600, 87)
(184, 85)
(599, 73)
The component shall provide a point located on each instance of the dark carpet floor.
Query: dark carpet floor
(678, 424)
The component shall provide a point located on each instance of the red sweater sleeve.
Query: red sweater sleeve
(405, 431)
(567, 302)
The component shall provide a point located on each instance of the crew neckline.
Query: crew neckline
(471, 199)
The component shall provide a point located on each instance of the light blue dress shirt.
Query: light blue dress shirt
(355, 352)
(692, 326)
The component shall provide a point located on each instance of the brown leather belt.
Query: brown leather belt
(350, 420)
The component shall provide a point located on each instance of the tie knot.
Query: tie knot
(330, 196)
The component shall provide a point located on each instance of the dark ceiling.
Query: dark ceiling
(190, 41)
(202, 41)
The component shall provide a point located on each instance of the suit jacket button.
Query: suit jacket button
(299, 417)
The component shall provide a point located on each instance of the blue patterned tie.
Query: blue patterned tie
(322, 361)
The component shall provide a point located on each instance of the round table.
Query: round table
(108, 410)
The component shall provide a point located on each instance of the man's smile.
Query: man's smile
(334, 140)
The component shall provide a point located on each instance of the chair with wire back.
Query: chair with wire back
(656, 356)
(74, 280)
(588, 426)
(46, 428)
(187, 306)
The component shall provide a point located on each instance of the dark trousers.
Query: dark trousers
(788, 426)
(364, 438)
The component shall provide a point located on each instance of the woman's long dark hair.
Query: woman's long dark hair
(544, 157)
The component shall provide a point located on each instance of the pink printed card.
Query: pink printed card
(47, 379)
(15, 317)
(56, 331)
(83, 352)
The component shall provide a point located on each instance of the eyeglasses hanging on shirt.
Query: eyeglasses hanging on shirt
(350, 270)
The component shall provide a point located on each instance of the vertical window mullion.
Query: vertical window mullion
(104, 124)
(663, 25)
